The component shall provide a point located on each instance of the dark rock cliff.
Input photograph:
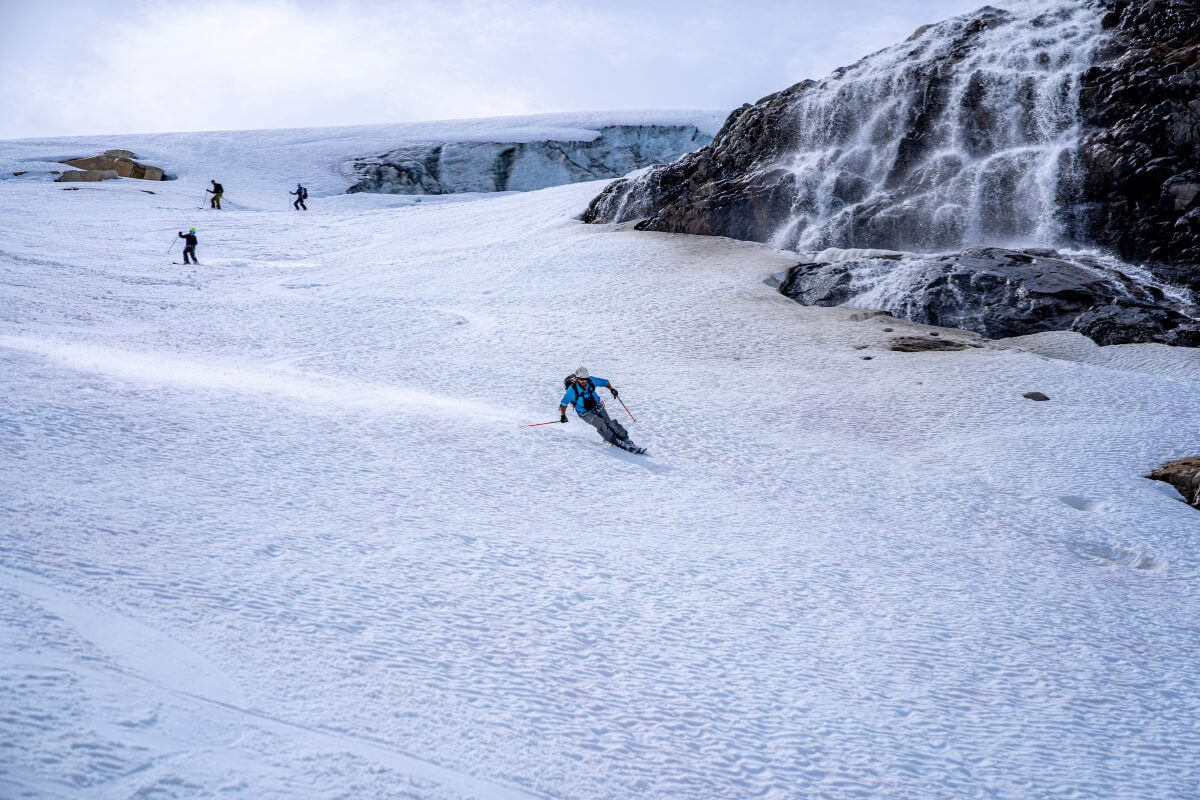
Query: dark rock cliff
(1140, 149)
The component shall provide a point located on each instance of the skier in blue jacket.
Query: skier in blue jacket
(581, 393)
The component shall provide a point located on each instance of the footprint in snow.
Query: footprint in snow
(1110, 555)
(1086, 503)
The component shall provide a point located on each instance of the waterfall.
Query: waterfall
(966, 134)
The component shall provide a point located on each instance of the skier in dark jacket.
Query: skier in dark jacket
(581, 393)
(216, 193)
(189, 245)
(301, 195)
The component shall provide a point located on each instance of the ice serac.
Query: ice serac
(451, 167)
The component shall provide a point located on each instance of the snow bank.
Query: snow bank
(268, 527)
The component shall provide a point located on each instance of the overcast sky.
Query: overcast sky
(122, 66)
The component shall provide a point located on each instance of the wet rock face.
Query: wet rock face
(999, 293)
(717, 190)
(1102, 100)
(1140, 150)
(444, 168)
(1123, 321)
(962, 135)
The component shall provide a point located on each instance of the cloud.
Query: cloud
(109, 67)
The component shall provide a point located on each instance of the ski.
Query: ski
(630, 447)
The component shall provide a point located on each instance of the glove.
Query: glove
(563, 418)
(614, 391)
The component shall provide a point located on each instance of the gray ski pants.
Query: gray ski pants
(607, 428)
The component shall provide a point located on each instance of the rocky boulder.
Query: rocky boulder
(1125, 321)
(923, 344)
(998, 293)
(1184, 475)
(120, 162)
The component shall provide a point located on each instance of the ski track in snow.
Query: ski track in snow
(268, 527)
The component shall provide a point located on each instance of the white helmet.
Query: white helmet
(581, 373)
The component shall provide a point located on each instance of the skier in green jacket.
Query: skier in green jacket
(189, 246)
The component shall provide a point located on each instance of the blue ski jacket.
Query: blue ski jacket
(575, 396)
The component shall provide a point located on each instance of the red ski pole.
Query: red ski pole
(627, 411)
(535, 424)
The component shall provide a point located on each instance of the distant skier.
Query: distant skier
(301, 195)
(216, 193)
(189, 246)
(581, 393)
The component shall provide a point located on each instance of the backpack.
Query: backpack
(303, 193)
(587, 391)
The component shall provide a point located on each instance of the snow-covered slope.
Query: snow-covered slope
(258, 168)
(269, 527)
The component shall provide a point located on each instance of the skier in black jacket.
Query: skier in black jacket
(216, 193)
(301, 195)
(189, 246)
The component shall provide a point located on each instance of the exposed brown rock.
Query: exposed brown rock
(917, 33)
(75, 175)
(123, 165)
(917, 344)
(1184, 475)
(1035, 396)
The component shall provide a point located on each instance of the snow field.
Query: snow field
(269, 527)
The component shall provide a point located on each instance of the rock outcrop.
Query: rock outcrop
(119, 162)
(1184, 475)
(1140, 152)
(999, 293)
(923, 344)
(87, 175)
(450, 167)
